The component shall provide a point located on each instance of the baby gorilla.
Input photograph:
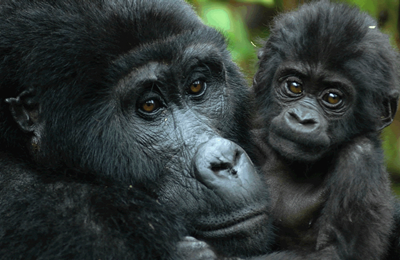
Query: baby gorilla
(327, 85)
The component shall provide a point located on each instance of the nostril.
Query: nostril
(308, 121)
(292, 114)
(238, 153)
(220, 166)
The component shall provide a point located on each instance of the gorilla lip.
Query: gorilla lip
(291, 147)
(242, 226)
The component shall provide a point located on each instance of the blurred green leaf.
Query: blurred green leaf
(396, 188)
(264, 2)
(370, 6)
(218, 16)
(227, 19)
(391, 146)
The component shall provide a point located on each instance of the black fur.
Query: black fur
(326, 85)
(394, 249)
(106, 150)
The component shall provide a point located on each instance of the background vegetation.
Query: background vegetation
(245, 22)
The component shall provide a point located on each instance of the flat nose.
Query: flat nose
(218, 157)
(302, 120)
(223, 166)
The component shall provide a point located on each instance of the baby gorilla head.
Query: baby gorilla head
(323, 81)
(327, 84)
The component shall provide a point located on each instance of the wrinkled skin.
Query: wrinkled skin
(327, 84)
(124, 127)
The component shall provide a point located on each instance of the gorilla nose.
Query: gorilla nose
(222, 165)
(302, 121)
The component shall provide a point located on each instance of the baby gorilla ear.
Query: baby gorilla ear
(25, 110)
(260, 53)
(389, 109)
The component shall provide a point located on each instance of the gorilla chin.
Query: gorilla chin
(235, 228)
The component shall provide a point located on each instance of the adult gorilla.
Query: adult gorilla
(120, 126)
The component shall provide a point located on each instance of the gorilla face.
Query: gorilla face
(140, 92)
(177, 111)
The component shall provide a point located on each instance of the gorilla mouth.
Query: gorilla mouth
(243, 227)
(296, 149)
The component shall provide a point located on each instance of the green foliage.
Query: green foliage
(370, 7)
(221, 16)
(228, 19)
(391, 145)
(264, 2)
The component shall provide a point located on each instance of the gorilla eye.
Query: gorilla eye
(150, 105)
(294, 87)
(197, 87)
(332, 98)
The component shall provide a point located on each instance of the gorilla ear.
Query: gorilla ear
(260, 53)
(390, 107)
(24, 110)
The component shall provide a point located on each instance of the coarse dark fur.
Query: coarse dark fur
(120, 126)
(327, 84)
(394, 249)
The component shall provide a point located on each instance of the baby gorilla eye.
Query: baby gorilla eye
(332, 98)
(150, 105)
(197, 87)
(294, 87)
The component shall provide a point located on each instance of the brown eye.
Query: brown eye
(150, 105)
(197, 87)
(332, 98)
(295, 87)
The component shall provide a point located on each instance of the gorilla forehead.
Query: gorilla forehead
(184, 51)
(94, 33)
(340, 38)
(323, 32)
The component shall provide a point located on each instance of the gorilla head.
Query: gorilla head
(133, 92)
(350, 71)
